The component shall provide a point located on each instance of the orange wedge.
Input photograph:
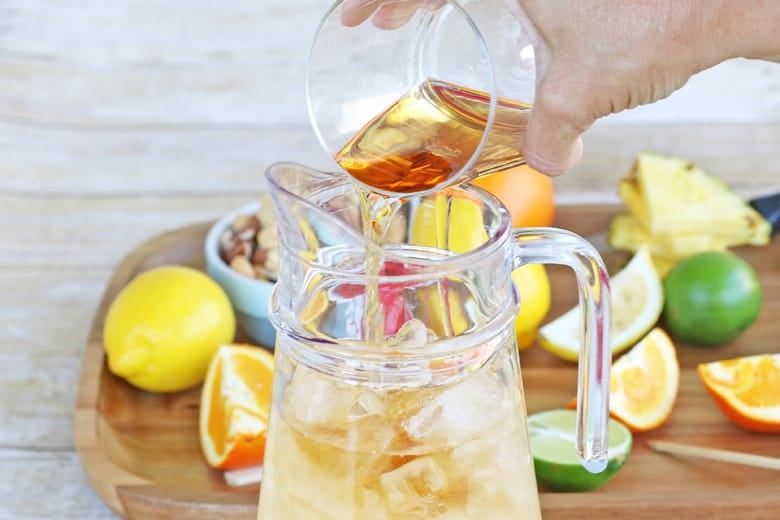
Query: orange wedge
(747, 390)
(644, 383)
(234, 406)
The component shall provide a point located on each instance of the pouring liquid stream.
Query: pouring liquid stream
(377, 213)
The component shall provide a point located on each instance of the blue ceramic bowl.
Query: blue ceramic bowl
(250, 297)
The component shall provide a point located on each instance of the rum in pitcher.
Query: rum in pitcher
(453, 450)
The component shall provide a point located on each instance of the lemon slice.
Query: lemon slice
(637, 302)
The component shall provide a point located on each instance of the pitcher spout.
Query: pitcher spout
(321, 245)
(314, 209)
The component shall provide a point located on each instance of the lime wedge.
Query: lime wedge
(555, 458)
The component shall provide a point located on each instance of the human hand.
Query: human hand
(600, 57)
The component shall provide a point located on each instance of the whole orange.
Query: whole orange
(527, 194)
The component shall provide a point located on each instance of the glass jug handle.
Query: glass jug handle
(557, 246)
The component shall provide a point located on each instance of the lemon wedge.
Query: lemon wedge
(452, 224)
(637, 302)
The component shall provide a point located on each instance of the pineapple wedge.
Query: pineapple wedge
(666, 249)
(674, 196)
(626, 232)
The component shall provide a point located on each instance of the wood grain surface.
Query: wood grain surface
(120, 120)
(142, 454)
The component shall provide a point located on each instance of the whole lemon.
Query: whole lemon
(163, 328)
(534, 287)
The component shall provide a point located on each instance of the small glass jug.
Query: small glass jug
(429, 421)
(429, 103)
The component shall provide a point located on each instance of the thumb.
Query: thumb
(355, 12)
(558, 118)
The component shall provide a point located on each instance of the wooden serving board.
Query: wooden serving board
(142, 455)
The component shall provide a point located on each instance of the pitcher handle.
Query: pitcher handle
(557, 246)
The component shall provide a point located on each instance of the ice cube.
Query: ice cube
(316, 400)
(367, 403)
(412, 334)
(460, 412)
(340, 415)
(415, 486)
(498, 469)
(373, 466)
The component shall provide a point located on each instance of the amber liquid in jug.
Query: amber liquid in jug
(429, 135)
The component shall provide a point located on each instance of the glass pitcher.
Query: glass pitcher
(428, 422)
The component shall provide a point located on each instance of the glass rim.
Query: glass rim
(367, 360)
(424, 270)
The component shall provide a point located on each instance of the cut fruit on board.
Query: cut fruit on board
(747, 390)
(644, 383)
(234, 406)
(556, 463)
(637, 302)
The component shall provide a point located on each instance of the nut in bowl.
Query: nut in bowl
(242, 256)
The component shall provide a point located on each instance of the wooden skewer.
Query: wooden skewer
(734, 457)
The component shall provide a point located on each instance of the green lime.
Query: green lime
(711, 298)
(556, 463)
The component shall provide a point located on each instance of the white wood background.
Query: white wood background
(121, 119)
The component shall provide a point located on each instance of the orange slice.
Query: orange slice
(644, 383)
(234, 406)
(747, 390)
